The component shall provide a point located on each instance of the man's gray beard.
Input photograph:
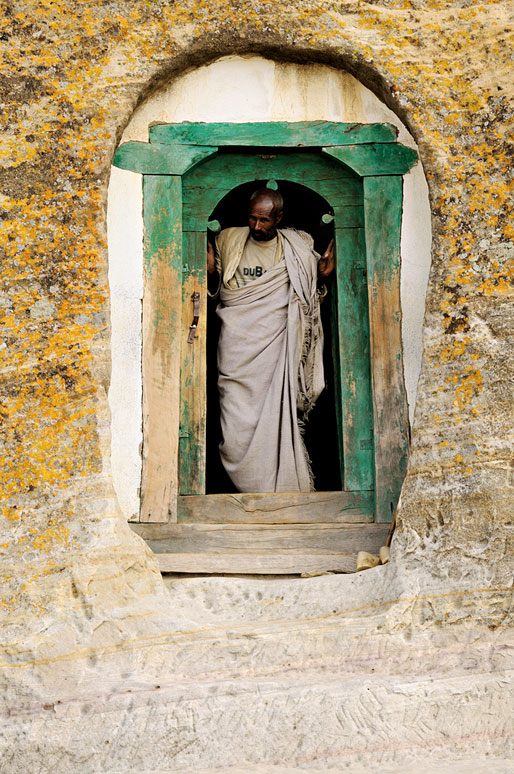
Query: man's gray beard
(262, 238)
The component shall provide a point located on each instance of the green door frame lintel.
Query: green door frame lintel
(296, 134)
(374, 159)
(156, 159)
(361, 147)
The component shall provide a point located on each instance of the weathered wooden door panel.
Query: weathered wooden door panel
(206, 185)
(162, 302)
(193, 398)
(352, 363)
(375, 159)
(383, 214)
(242, 168)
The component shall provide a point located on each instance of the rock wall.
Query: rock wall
(107, 669)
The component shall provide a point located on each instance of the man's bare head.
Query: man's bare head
(265, 213)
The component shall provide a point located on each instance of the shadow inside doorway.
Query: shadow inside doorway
(303, 210)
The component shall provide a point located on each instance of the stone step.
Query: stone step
(260, 548)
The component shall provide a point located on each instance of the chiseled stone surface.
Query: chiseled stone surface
(106, 669)
(317, 674)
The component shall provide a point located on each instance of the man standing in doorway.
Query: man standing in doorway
(270, 350)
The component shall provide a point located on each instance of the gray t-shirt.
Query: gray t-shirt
(257, 258)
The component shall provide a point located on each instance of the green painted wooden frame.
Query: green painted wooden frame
(202, 189)
(371, 151)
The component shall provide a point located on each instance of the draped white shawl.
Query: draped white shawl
(270, 366)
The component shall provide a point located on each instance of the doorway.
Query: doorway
(315, 189)
(305, 210)
(188, 172)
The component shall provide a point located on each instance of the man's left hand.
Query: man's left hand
(326, 263)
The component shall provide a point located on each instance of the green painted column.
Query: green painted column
(383, 198)
(353, 360)
(162, 319)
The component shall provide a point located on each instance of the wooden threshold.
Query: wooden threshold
(277, 508)
(245, 564)
(260, 548)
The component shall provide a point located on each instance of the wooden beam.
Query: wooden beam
(278, 508)
(278, 134)
(383, 213)
(206, 185)
(245, 548)
(162, 301)
(193, 372)
(353, 359)
(155, 159)
(307, 166)
(255, 564)
(375, 159)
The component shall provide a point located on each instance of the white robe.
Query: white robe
(270, 366)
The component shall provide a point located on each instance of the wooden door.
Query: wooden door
(288, 527)
(357, 169)
(202, 191)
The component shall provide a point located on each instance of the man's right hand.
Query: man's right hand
(211, 260)
(326, 262)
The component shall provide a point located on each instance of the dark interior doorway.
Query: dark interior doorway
(303, 210)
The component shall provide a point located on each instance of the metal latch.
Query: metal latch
(366, 443)
(195, 298)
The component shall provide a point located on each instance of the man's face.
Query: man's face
(263, 220)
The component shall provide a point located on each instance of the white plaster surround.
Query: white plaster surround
(239, 89)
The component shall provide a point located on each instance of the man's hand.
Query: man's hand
(326, 262)
(211, 261)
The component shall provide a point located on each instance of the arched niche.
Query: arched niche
(259, 89)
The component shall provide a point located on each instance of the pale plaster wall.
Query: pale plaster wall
(239, 89)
